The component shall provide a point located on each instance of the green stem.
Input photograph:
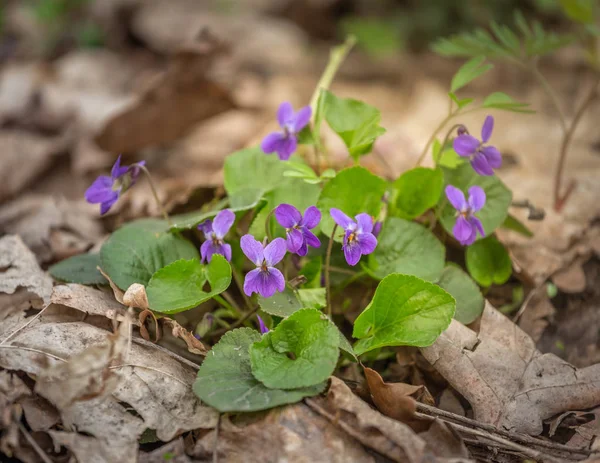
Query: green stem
(454, 127)
(228, 302)
(432, 137)
(327, 270)
(552, 94)
(240, 284)
(268, 225)
(337, 55)
(155, 194)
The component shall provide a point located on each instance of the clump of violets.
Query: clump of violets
(467, 225)
(106, 190)
(484, 159)
(297, 227)
(265, 279)
(284, 143)
(214, 232)
(358, 237)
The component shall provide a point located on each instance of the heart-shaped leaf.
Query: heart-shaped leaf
(488, 262)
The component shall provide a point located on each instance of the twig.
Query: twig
(526, 302)
(523, 438)
(45, 458)
(37, 351)
(12, 335)
(559, 199)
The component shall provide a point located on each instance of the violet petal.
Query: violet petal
(367, 243)
(476, 198)
(487, 128)
(365, 222)
(223, 222)
(302, 118)
(252, 249)
(493, 156)
(481, 165)
(312, 217)
(456, 198)
(285, 114)
(465, 145)
(287, 215)
(340, 218)
(275, 251)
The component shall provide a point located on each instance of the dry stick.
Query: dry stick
(12, 335)
(327, 269)
(215, 457)
(559, 199)
(45, 458)
(524, 438)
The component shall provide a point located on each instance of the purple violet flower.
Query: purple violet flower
(484, 159)
(297, 228)
(285, 143)
(358, 238)
(214, 231)
(467, 225)
(377, 228)
(107, 190)
(265, 279)
(262, 326)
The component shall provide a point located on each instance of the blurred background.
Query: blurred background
(184, 83)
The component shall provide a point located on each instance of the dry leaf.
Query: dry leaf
(93, 450)
(12, 389)
(507, 381)
(19, 269)
(175, 448)
(154, 383)
(179, 99)
(39, 413)
(194, 345)
(88, 300)
(397, 400)
(444, 442)
(136, 297)
(571, 279)
(294, 433)
(537, 314)
(85, 375)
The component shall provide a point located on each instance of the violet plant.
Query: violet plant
(293, 283)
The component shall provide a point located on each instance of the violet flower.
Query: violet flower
(262, 326)
(265, 279)
(484, 159)
(297, 228)
(467, 225)
(214, 232)
(107, 190)
(358, 238)
(284, 143)
(377, 228)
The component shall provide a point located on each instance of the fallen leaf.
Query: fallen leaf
(12, 389)
(92, 449)
(136, 297)
(397, 400)
(443, 442)
(194, 345)
(294, 433)
(175, 450)
(180, 98)
(40, 414)
(88, 300)
(19, 269)
(537, 314)
(53, 228)
(507, 381)
(571, 279)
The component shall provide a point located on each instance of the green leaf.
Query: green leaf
(281, 304)
(498, 198)
(581, 11)
(451, 159)
(504, 102)
(468, 72)
(314, 298)
(514, 224)
(312, 270)
(80, 269)
(353, 190)
(405, 311)
(461, 103)
(357, 123)
(488, 262)
(252, 172)
(408, 248)
(225, 379)
(469, 301)
(417, 190)
(135, 252)
(179, 286)
(301, 351)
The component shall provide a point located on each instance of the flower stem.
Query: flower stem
(454, 127)
(240, 284)
(337, 55)
(238, 322)
(432, 137)
(228, 302)
(327, 270)
(552, 94)
(268, 225)
(155, 194)
(559, 200)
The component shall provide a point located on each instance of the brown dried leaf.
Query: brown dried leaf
(508, 382)
(571, 279)
(19, 269)
(88, 300)
(136, 297)
(53, 228)
(154, 383)
(194, 345)
(175, 448)
(91, 449)
(294, 433)
(180, 98)
(12, 389)
(39, 413)
(397, 400)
